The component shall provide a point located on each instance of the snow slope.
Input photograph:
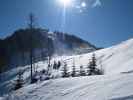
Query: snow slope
(117, 82)
(116, 59)
(108, 87)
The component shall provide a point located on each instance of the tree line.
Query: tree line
(46, 74)
(90, 69)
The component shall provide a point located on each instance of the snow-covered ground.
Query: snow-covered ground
(113, 60)
(116, 84)
(107, 87)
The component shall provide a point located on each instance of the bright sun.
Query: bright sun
(65, 3)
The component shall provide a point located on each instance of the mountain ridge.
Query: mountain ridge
(15, 49)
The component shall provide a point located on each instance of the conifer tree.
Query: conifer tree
(55, 65)
(82, 71)
(73, 71)
(19, 81)
(58, 65)
(93, 65)
(88, 68)
(65, 71)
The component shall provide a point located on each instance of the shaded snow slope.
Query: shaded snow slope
(116, 87)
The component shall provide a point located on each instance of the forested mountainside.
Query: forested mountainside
(15, 49)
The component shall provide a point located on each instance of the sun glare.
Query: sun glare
(65, 3)
(83, 4)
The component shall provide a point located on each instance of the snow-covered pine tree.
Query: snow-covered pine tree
(82, 71)
(88, 68)
(19, 82)
(73, 71)
(65, 71)
(58, 65)
(55, 65)
(93, 65)
(49, 66)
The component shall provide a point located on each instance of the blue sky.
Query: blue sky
(108, 23)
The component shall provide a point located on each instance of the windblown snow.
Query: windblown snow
(116, 84)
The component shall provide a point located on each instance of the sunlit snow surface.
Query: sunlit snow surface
(113, 87)
(116, 84)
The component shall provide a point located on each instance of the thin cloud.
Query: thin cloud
(96, 3)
